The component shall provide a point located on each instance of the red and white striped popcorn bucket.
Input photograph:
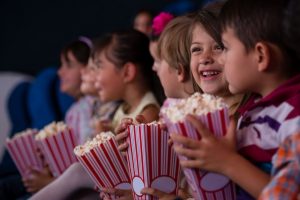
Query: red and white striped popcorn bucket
(151, 161)
(58, 150)
(206, 185)
(23, 150)
(106, 166)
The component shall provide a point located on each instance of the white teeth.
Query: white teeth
(209, 73)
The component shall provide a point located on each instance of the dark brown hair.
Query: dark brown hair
(259, 21)
(79, 49)
(121, 47)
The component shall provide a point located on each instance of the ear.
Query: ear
(181, 74)
(129, 72)
(262, 53)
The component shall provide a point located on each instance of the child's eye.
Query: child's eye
(218, 48)
(195, 49)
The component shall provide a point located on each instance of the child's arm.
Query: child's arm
(219, 155)
(37, 179)
(286, 171)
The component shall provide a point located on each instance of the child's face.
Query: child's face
(142, 22)
(238, 63)
(109, 80)
(69, 74)
(88, 77)
(207, 71)
(153, 52)
(166, 74)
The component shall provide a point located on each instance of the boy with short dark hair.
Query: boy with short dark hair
(255, 60)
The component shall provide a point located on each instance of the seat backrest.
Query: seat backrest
(46, 103)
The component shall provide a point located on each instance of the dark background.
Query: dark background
(34, 31)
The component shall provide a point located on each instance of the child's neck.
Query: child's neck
(270, 84)
(133, 96)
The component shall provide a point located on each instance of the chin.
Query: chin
(234, 90)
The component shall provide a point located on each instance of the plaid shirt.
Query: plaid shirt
(285, 182)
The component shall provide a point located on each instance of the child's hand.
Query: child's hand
(157, 193)
(209, 153)
(37, 179)
(101, 126)
(120, 194)
(122, 132)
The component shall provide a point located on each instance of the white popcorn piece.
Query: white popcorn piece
(51, 129)
(96, 141)
(197, 104)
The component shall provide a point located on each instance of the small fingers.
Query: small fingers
(150, 191)
(190, 153)
(199, 126)
(123, 147)
(187, 142)
(191, 163)
(121, 136)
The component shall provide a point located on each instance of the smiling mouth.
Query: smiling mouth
(207, 74)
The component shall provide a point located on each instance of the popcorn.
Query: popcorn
(213, 113)
(22, 133)
(51, 129)
(197, 104)
(57, 142)
(96, 141)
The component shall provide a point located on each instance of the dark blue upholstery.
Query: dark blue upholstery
(41, 99)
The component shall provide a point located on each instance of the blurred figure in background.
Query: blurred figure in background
(143, 22)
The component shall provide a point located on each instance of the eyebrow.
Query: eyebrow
(196, 43)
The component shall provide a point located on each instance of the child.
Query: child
(127, 77)
(205, 48)
(286, 169)
(123, 72)
(254, 60)
(142, 22)
(174, 76)
(74, 58)
(173, 66)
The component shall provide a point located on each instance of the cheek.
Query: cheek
(193, 66)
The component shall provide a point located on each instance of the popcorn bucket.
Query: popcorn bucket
(58, 150)
(106, 166)
(23, 150)
(151, 161)
(206, 185)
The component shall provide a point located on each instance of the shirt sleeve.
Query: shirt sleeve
(285, 179)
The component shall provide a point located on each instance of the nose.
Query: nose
(60, 71)
(207, 58)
